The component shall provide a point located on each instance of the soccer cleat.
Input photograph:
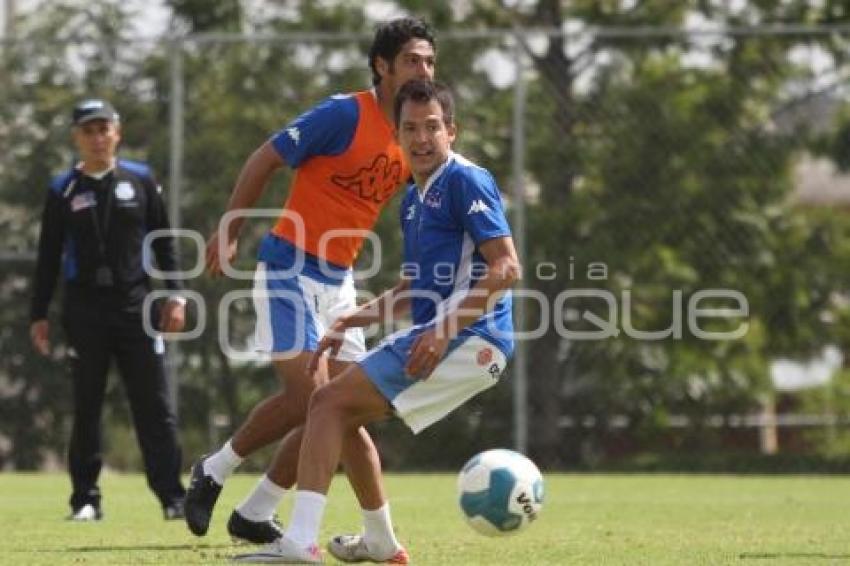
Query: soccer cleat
(352, 548)
(282, 551)
(174, 510)
(256, 532)
(87, 512)
(200, 499)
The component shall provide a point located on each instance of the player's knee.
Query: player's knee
(327, 401)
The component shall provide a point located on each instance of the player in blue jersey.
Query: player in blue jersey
(347, 166)
(453, 222)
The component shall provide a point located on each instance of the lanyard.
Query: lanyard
(101, 232)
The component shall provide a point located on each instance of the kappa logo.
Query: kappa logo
(478, 206)
(411, 212)
(294, 133)
(376, 182)
(494, 371)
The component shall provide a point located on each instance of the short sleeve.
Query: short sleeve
(481, 209)
(326, 129)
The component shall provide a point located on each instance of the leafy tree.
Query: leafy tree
(658, 156)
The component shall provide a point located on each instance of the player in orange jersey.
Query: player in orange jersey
(347, 166)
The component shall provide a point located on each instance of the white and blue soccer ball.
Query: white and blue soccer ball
(500, 491)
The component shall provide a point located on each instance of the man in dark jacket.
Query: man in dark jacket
(93, 226)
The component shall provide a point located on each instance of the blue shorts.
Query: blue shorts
(294, 312)
(470, 365)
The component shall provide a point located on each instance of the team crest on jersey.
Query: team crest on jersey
(83, 200)
(377, 182)
(124, 191)
(485, 356)
(433, 199)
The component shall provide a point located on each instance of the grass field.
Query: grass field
(586, 519)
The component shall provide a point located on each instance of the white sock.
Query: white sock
(378, 530)
(221, 464)
(261, 503)
(307, 514)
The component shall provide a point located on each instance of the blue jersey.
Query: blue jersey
(443, 226)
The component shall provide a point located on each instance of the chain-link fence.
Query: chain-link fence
(676, 200)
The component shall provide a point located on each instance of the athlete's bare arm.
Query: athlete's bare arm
(250, 185)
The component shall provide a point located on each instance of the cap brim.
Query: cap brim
(99, 115)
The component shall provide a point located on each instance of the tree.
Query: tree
(655, 156)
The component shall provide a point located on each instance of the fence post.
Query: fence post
(175, 186)
(520, 382)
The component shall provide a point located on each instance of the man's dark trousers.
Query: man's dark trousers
(98, 334)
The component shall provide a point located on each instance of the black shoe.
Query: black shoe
(257, 532)
(200, 499)
(174, 510)
(86, 512)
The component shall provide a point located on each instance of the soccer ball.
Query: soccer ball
(500, 491)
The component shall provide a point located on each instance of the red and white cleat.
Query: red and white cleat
(353, 548)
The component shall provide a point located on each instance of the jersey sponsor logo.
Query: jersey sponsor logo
(485, 356)
(478, 206)
(376, 182)
(294, 133)
(124, 191)
(83, 200)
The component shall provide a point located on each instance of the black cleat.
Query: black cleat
(257, 532)
(200, 499)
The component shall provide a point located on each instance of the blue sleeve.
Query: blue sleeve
(138, 168)
(325, 129)
(480, 206)
(60, 183)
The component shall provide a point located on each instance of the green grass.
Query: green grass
(586, 519)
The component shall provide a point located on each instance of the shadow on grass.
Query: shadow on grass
(779, 555)
(107, 548)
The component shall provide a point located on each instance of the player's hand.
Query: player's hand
(213, 255)
(172, 318)
(332, 341)
(39, 334)
(428, 350)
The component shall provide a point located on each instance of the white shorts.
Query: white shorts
(293, 313)
(470, 366)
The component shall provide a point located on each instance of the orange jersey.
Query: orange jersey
(347, 167)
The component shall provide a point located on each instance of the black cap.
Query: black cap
(93, 109)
